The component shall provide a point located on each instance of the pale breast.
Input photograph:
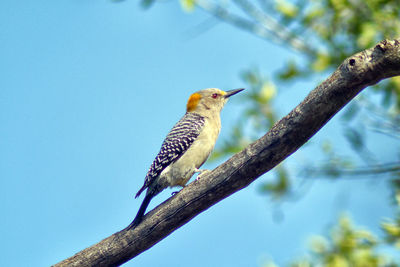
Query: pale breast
(183, 169)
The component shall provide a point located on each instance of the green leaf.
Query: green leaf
(287, 9)
(313, 15)
(188, 5)
(367, 36)
(280, 186)
(267, 93)
(322, 62)
(290, 71)
(146, 3)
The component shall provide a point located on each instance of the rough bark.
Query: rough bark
(285, 137)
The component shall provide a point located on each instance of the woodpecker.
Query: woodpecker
(187, 146)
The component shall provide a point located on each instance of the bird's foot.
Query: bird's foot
(201, 173)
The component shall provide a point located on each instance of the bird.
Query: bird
(186, 147)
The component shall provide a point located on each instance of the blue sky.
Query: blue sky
(88, 91)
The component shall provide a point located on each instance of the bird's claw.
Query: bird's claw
(201, 173)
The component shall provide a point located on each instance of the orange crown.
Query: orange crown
(192, 102)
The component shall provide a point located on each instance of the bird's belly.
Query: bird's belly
(180, 172)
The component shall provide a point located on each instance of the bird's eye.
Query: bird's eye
(214, 96)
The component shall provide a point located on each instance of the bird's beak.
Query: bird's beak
(233, 92)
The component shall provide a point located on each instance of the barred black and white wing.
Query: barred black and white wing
(178, 140)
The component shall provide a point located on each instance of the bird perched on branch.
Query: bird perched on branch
(187, 146)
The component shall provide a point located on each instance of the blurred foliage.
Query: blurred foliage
(188, 5)
(391, 227)
(336, 29)
(278, 187)
(347, 245)
(144, 3)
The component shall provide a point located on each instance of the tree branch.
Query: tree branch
(284, 138)
(363, 172)
(282, 33)
(259, 23)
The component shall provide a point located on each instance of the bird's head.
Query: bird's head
(209, 100)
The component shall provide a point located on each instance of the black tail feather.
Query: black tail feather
(142, 210)
(141, 190)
